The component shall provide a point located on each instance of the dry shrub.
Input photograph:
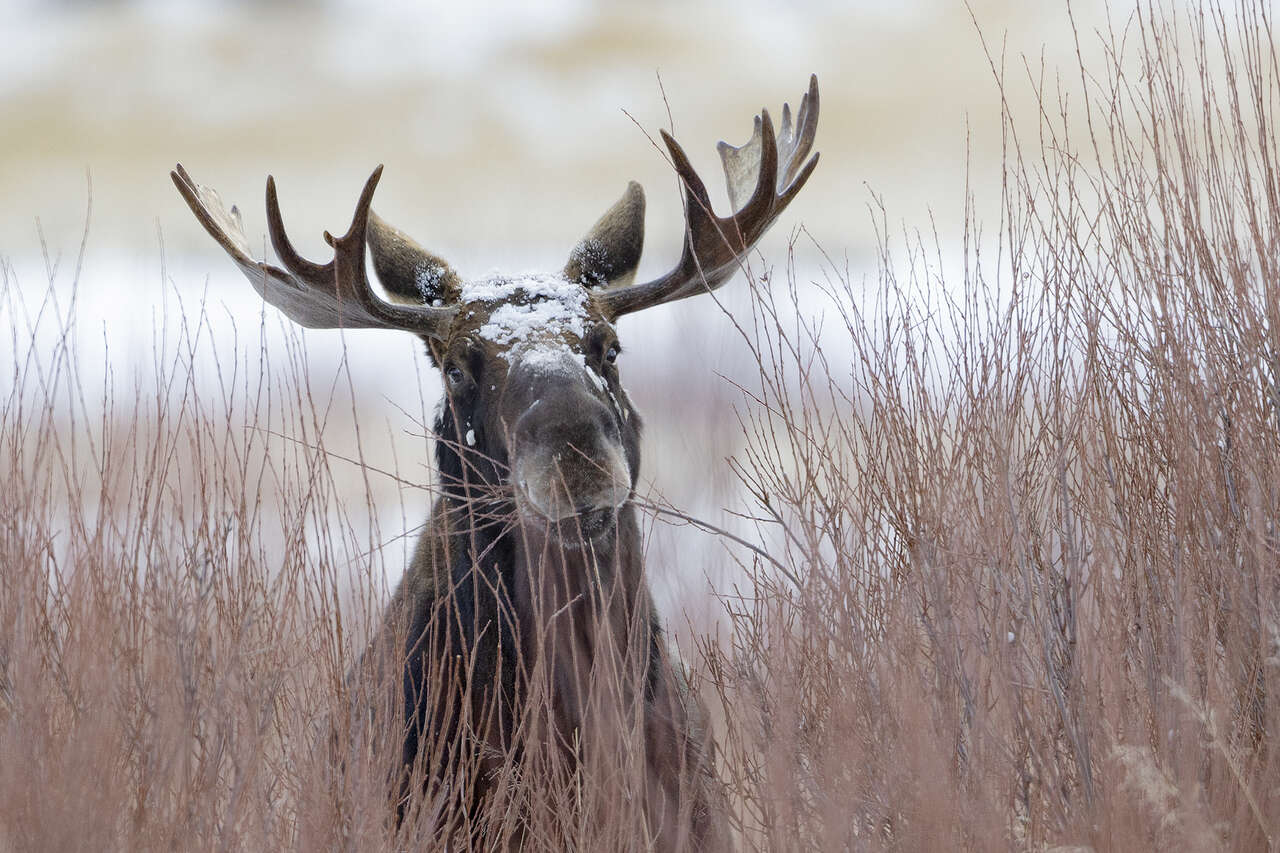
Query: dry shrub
(1029, 592)
(1015, 579)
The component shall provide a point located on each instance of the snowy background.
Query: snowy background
(506, 129)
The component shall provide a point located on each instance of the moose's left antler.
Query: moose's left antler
(763, 176)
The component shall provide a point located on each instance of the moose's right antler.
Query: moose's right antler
(319, 296)
(763, 175)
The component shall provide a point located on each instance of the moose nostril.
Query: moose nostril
(577, 486)
(595, 519)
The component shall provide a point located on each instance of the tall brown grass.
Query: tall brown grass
(1015, 583)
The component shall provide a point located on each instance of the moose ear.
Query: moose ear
(609, 254)
(409, 273)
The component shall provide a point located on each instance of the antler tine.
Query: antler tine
(288, 255)
(317, 296)
(793, 148)
(763, 176)
(697, 203)
(765, 198)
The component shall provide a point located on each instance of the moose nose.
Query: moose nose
(569, 459)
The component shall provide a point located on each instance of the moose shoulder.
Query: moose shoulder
(525, 616)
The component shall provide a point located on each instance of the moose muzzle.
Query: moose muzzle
(568, 461)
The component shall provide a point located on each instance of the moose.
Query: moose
(528, 578)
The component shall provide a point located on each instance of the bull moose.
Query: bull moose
(529, 575)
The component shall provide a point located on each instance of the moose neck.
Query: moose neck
(587, 632)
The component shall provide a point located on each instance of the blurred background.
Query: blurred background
(506, 129)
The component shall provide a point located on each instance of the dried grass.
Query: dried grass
(1014, 585)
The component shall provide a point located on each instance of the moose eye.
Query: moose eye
(611, 354)
(454, 374)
